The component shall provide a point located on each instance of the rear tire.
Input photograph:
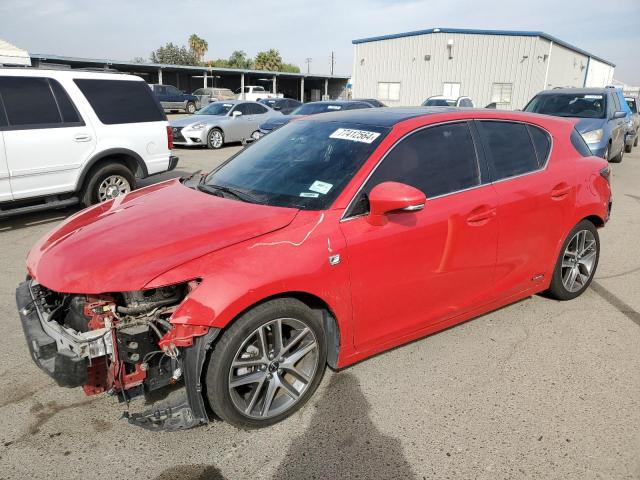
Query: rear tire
(191, 108)
(577, 262)
(627, 148)
(107, 181)
(635, 143)
(277, 377)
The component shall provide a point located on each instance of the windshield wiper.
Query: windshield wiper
(239, 194)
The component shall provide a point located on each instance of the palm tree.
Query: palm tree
(269, 60)
(198, 46)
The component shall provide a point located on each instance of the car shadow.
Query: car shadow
(342, 441)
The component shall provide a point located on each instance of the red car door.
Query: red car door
(535, 196)
(423, 267)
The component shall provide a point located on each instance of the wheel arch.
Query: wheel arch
(123, 155)
(595, 219)
(329, 319)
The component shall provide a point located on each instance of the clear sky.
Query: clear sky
(124, 29)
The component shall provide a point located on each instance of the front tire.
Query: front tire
(577, 262)
(618, 158)
(107, 182)
(267, 364)
(215, 139)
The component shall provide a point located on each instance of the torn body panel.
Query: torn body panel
(122, 344)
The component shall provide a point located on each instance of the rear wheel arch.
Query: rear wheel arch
(595, 219)
(129, 158)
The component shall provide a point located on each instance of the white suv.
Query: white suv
(70, 136)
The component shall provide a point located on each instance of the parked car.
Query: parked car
(442, 101)
(174, 100)
(221, 122)
(602, 120)
(311, 108)
(371, 101)
(253, 92)
(330, 240)
(282, 105)
(208, 95)
(69, 137)
(632, 139)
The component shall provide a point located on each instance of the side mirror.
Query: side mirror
(618, 115)
(390, 197)
(236, 113)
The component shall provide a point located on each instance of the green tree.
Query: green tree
(290, 67)
(174, 55)
(198, 46)
(239, 59)
(268, 60)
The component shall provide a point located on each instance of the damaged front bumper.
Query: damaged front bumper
(60, 352)
(67, 356)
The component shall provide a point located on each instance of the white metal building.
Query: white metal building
(12, 55)
(505, 67)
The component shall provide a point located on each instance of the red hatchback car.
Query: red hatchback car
(331, 239)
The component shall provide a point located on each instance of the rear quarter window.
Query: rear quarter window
(121, 101)
(541, 142)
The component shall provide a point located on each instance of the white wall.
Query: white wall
(599, 74)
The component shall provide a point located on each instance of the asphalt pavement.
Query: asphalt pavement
(538, 389)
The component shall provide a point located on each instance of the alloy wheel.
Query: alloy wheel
(578, 261)
(113, 186)
(215, 138)
(273, 368)
(256, 135)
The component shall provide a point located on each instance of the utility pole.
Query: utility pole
(308, 60)
(333, 62)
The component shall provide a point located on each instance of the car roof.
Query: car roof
(577, 91)
(390, 116)
(66, 73)
(335, 102)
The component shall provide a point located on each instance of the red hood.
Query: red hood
(122, 245)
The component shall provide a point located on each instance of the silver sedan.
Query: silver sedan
(221, 122)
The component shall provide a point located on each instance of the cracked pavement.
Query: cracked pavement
(538, 389)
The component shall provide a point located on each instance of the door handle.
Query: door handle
(82, 137)
(481, 215)
(560, 191)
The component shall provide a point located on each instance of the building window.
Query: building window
(389, 91)
(501, 93)
(451, 90)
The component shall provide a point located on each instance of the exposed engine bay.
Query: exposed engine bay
(120, 343)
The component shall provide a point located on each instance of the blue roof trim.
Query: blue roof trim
(511, 33)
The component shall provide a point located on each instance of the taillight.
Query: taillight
(169, 138)
(606, 174)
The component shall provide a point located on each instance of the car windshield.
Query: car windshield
(581, 105)
(216, 108)
(632, 104)
(305, 164)
(439, 102)
(311, 108)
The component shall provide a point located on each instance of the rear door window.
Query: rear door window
(121, 101)
(257, 109)
(509, 149)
